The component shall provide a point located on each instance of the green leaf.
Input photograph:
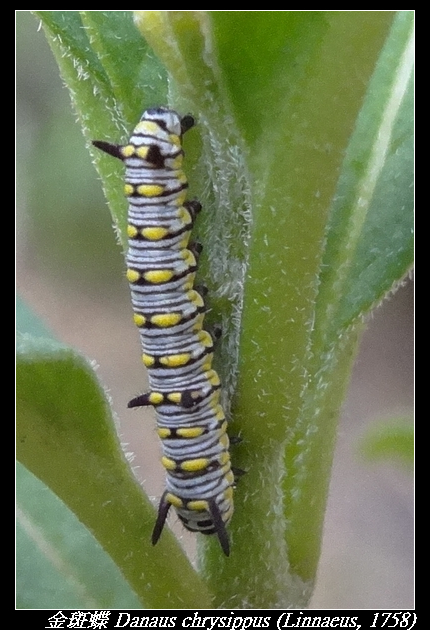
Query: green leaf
(367, 248)
(135, 75)
(66, 437)
(59, 563)
(370, 231)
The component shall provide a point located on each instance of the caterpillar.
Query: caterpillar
(169, 312)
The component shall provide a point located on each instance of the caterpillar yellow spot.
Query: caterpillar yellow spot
(163, 433)
(225, 442)
(191, 432)
(179, 201)
(128, 190)
(195, 298)
(127, 151)
(169, 464)
(213, 378)
(175, 397)
(132, 275)
(198, 506)
(184, 242)
(165, 320)
(155, 398)
(139, 320)
(175, 140)
(177, 162)
(219, 413)
(132, 232)
(214, 400)
(224, 458)
(147, 127)
(150, 190)
(230, 477)
(175, 360)
(223, 428)
(198, 323)
(190, 281)
(228, 493)
(188, 257)
(207, 365)
(205, 338)
(142, 152)
(174, 500)
(158, 276)
(184, 216)
(154, 233)
(195, 465)
(147, 360)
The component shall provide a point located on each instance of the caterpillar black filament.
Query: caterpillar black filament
(184, 389)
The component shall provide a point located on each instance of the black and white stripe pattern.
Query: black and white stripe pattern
(184, 389)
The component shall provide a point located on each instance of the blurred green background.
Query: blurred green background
(70, 270)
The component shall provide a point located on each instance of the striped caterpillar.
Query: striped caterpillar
(177, 351)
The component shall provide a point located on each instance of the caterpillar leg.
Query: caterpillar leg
(238, 472)
(193, 206)
(236, 439)
(216, 332)
(196, 248)
(187, 122)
